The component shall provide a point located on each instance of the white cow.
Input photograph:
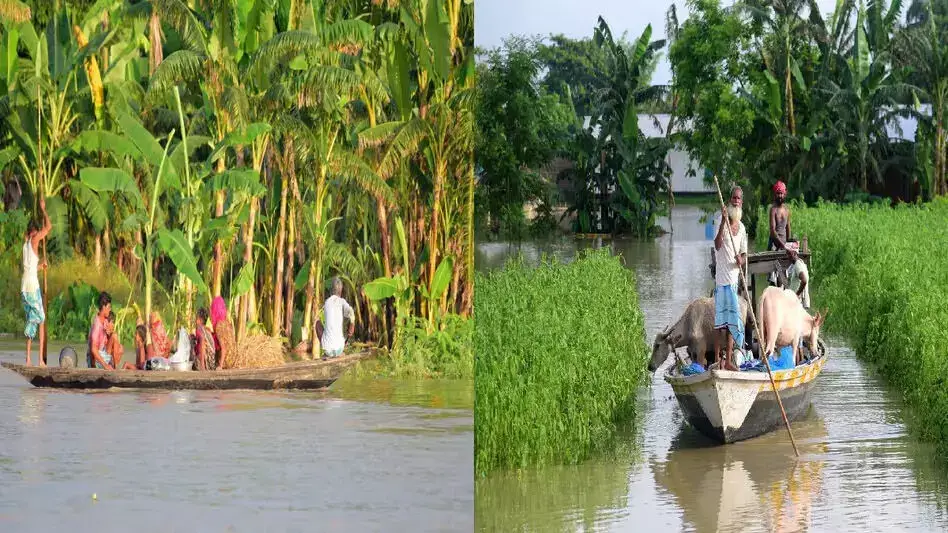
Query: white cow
(783, 321)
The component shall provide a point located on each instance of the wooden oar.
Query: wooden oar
(750, 309)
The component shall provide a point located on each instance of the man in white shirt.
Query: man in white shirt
(729, 262)
(330, 331)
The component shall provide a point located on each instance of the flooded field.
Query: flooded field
(368, 455)
(859, 469)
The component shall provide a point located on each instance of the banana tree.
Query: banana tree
(923, 46)
(149, 157)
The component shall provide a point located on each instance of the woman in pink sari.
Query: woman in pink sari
(224, 337)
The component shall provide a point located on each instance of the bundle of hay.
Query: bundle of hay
(258, 351)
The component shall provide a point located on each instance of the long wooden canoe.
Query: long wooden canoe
(306, 375)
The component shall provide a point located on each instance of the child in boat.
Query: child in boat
(159, 338)
(205, 357)
(113, 345)
(97, 354)
(141, 353)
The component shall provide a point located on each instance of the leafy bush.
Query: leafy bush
(447, 353)
(879, 270)
(560, 350)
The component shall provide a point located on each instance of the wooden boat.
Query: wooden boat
(730, 406)
(306, 375)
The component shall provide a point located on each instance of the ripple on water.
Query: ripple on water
(236, 460)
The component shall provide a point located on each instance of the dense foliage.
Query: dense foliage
(578, 100)
(872, 267)
(761, 90)
(554, 376)
(520, 127)
(250, 149)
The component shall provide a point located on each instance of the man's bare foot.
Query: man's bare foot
(29, 362)
(728, 365)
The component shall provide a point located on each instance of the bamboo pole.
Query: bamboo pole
(40, 180)
(750, 309)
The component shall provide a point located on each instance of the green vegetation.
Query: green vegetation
(877, 269)
(616, 175)
(761, 90)
(251, 149)
(445, 352)
(560, 351)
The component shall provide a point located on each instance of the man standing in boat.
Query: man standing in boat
(780, 228)
(730, 256)
(30, 293)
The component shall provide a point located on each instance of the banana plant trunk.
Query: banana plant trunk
(308, 304)
(218, 246)
(275, 319)
(467, 305)
(385, 239)
(244, 309)
(433, 247)
(317, 298)
(148, 286)
(156, 55)
(288, 280)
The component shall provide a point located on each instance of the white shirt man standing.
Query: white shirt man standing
(335, 309)
(729, 261)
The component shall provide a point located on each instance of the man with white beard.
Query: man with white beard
(729, 261)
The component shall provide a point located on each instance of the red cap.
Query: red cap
(780, 187)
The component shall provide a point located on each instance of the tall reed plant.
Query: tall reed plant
(559, 352)
(881, 271)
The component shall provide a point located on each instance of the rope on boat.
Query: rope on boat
(750, 308)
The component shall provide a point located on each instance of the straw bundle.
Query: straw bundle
(258, 351)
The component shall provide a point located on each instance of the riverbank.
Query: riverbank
(878, 271)
(560, 351)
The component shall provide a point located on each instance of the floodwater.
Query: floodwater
(859, 469)
(368, 455)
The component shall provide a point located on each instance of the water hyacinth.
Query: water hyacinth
(879, 270)
(559, 353)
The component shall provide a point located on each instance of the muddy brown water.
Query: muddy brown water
(859, 470)
(368, 455)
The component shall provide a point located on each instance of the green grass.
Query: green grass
(881, 272)
(560, 350)
(446, 353)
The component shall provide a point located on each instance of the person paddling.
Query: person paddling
(30, 293)
(729, 261)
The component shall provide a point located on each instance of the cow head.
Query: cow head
(815, 330)
(661, 349)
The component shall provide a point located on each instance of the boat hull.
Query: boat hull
(734, 406)
(309, 375)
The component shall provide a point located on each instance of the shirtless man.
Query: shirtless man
(780, 222)
(780, 236)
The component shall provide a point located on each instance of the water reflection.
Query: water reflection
(756, 485)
